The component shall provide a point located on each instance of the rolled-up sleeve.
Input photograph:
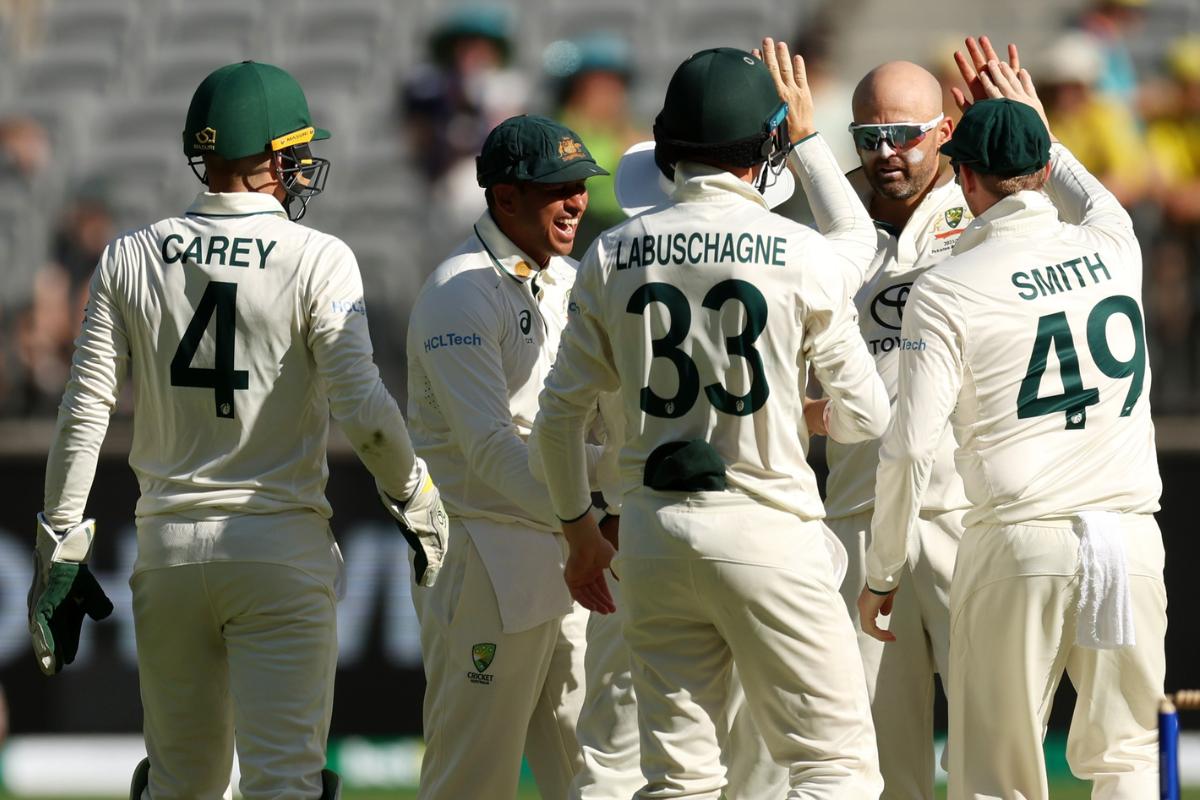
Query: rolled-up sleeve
(930, 378)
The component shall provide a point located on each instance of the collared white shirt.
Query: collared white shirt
(1030, 339)
(245, 333)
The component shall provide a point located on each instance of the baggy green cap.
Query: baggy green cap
(1000, 137)
(718, 96)
(247, 108)
(534, 149)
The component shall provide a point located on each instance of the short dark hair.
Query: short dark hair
(1005, 186)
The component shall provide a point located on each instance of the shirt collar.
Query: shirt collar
(235, 204)
(935, 197)
(694, 181)
(1015, 214)
(506, 256)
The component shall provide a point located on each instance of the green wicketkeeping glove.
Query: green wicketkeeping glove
(423, 522)
(63, 590)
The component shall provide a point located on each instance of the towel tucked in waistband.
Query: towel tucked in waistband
(1105, 608)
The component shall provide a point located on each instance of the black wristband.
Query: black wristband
(576, 519)
(877, 592)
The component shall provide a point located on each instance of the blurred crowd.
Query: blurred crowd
(1139, 132)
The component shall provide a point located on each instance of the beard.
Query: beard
(901, 175)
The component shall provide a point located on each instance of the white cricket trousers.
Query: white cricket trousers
(608, 726)
(480, 717)
(1012, 634)
(900, 674)
(713, 579)
(233, 650)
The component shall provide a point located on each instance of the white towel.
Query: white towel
(1105, 610)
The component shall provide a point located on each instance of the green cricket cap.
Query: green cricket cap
(534, 149)
(1000, 137)
(718, 96)
(247, 108)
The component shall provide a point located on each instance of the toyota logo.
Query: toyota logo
(888, 306)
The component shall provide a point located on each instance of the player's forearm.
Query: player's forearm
(1081, 199)
(377, 433)
(859, 408)
(71, 466)
(593, 452)
(100, 359)
(900, 483)
(564, 460)
(839, 213)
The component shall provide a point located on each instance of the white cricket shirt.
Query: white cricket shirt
(1030, 339)
(900, 257)
(480, 344)
(245, 331)
(705, 313)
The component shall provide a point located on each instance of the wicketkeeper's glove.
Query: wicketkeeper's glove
(422, 520)
(63, 590)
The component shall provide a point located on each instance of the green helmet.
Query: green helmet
(721, 106)
(250, 108)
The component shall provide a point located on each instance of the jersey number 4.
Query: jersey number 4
(1053, 332)
(667, 347)
(219, 300)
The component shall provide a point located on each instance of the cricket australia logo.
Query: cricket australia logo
(570, 149)
(481, 656)
(954, 216)
(887, 308)
(206, 139)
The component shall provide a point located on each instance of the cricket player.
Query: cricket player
(705, 313)
(607, 729)
(244, 332)
(1030, 341)
(919, 212)
(503, 643)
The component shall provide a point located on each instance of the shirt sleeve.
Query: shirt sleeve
(838, 356)
(358, 400)
(930, 378)
(582, 370)
(840, 215)
(1083, 200)
(469, 383)
(99, 363)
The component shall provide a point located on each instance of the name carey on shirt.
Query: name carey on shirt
(700, 248)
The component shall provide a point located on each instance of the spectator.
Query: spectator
(44, 335)
(83, 229)
(1110, 23)
(451, 103)
(1174, 136)
(24, 147)
(592, 77)
(1102, 134)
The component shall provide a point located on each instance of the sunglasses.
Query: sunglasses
(898, 135)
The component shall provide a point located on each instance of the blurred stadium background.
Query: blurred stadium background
(92, 99)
